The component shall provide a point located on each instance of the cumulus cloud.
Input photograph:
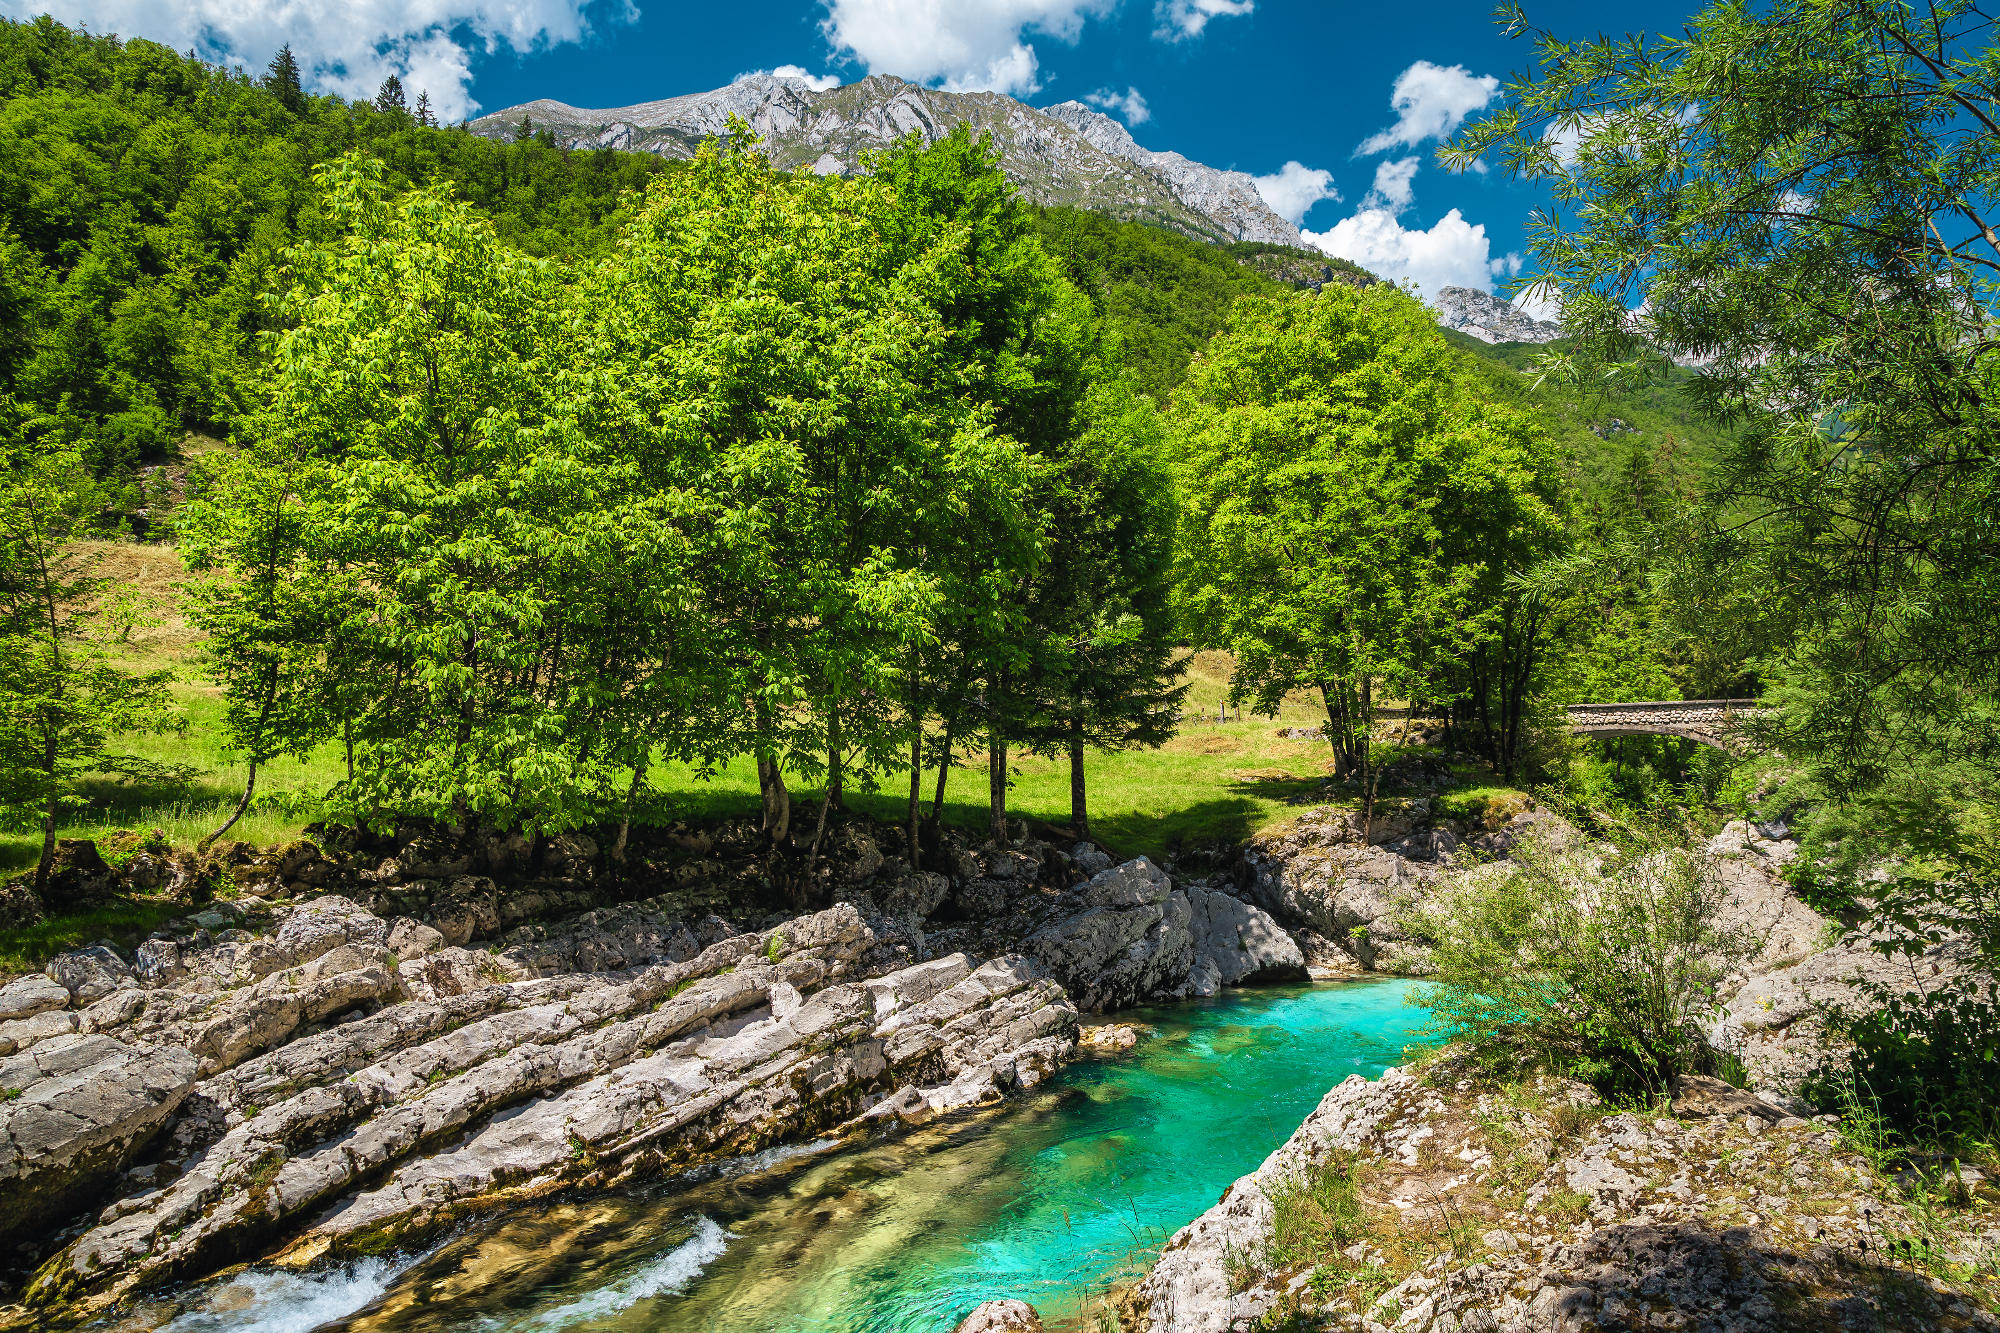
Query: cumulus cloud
(350, 46)
(1452, 253)
(964, 46)
(1431, 102)
(819, 83)
(1540, 301)
(1392, 190)
(1128, 104)
(1295, 188)
(1507, 265)
(1183, 20)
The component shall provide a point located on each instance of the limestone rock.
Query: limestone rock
(410, 939)
(31, 995)
(1065, 154)
(18, 904)
(78, 877)
(1001, 1317)
(1696, 1095)
(1491, 319)
(79, 1107)
(1242, 941)
(1129, 943)
(89, 974)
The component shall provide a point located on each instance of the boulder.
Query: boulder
(1001, 1317)
(78, 879)
(1697, 1096)
(19, 906)
(90, 974)
(410, 939)
(78, 1108)
(1244, 944)
(31, 995)
(1130, 943)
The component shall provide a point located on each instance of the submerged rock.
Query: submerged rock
(1001, 1317)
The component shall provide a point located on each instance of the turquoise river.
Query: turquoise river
(1053, 1198)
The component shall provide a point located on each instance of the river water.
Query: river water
(1054, 1198)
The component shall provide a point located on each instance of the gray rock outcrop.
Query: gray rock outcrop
(1001, 1317)
(1490, 319)
(78, 1108)
(1065, 154)
(430, 1106)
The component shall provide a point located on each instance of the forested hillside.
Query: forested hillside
(146, 203)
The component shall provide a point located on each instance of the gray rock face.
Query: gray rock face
(79, 1107)
(30, 996)
(89, 974)
(1242, 943)
(1490, 319)
(1066, 154)
(522, 1086)
(1130, 942)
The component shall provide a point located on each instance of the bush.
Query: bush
(1600, 961)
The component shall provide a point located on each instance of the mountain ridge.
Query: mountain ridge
(1064, 154)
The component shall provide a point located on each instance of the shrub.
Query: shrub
(1600, 961)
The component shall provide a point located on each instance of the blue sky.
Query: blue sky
(1252, 85)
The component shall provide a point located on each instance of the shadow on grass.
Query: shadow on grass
(125, 921)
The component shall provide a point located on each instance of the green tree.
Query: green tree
(513, 581)
(282, 78)
(1349, 514)
(790, 336)
(1801, 193)
(390, 96)
(63, 703)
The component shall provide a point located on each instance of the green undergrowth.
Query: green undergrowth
(125, 922)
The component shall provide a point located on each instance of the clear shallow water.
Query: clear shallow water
(1052, 1199)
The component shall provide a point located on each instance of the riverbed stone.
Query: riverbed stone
(1001, 1317)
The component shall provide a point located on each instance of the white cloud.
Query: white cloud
(1540, 302)
(350, 46)
(1431, 102)
(1293, 191)
(1507, 265)
(1130, 104)
(1392, 189)
(963, 46)
(1183, 20)
(1453, 253)
(819, 83)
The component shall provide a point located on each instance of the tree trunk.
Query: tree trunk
(242, 804)
(47, 863)
(833, 792)
(1079, 805)
(625, 824)
(944, 771)
(777, 800)
(916, 789)
(996, 788)
(804, 896)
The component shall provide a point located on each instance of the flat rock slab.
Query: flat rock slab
(80, 1106)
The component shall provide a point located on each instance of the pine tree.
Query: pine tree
(423, 112)
(525, 130)
(283, 79)
(389, 97)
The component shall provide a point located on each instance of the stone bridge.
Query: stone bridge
(1706, 720)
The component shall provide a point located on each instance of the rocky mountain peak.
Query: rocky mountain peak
(1067, 154)
(1490, 319)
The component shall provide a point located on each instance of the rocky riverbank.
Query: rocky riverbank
(379, 1045)
(1426, 1203)
(364, 1040)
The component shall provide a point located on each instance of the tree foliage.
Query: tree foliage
(1350, 514)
